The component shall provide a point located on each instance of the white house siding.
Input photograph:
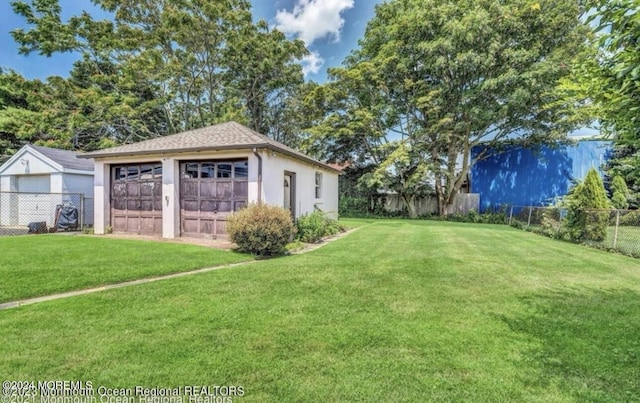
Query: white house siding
(34, 204)
(79, 184)
(272, 192)
(29, 164)
(9, 201)
(32, 175)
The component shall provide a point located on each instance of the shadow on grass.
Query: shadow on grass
(587, 342)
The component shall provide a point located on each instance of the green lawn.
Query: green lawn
(32, 266)
(395, 311)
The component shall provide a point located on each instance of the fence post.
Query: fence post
(81, 215)
(510, 214)
(529, 219)
(615, 232)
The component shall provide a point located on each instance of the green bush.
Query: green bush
(353, 206)
(620, 193)
(583, 223)
(315, 226)
(630, 218)
(261, 229)
(552, 224)
(497, 217)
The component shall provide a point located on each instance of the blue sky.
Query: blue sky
(330, 28)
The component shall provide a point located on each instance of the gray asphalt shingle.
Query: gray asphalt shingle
(224, 136)
(65, 158)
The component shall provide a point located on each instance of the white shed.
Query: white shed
(36, 179)
(187, 184)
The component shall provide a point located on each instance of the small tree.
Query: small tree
(589, 194)
(619, 193)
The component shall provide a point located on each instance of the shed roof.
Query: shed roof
(223, 136)
(58, 160)
(67, 159)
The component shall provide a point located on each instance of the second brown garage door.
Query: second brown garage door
(210, 191)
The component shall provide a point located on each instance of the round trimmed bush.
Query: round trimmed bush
(261, 229)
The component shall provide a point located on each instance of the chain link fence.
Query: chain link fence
(24, 213)
(617, 230)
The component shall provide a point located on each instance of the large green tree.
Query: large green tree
(31, 111)
(611, 83)
(155, 67)
(433, 79)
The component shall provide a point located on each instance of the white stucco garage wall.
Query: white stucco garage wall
(274, 166)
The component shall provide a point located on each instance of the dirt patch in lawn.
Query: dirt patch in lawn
(210, 243)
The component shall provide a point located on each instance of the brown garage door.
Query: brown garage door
(136, 198)
(209, 192)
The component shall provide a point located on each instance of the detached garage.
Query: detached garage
(187, 184)
(37, 179)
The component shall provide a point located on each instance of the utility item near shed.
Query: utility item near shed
(187, 184)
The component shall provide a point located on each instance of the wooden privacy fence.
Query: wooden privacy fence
(463, 203)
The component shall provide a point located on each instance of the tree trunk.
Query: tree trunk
(410, 202)
(442, 210)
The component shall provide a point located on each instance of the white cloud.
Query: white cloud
(313, 19)
(311, 63)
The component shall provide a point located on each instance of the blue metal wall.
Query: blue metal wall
(523, 177)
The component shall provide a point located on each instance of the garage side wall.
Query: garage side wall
(274, 167)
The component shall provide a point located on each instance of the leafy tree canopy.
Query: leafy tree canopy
(432, 79)
(609, 82)
(158, 67)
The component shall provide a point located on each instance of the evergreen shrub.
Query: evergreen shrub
(584, 225)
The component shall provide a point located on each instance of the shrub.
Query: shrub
(353, 206)
(552, 225)
(619, 193)
(630, 218)
(261, 229)
(584, 225)
(315, 226)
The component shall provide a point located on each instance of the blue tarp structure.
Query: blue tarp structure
(519, 176)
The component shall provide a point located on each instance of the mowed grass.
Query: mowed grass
(395, 311)
(32, 266)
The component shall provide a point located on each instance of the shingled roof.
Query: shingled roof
(67, 159)
(223, 136)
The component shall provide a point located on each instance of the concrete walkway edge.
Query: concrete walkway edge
(15, 304)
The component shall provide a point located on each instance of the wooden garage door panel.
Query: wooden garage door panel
(136, 199)
(149, 225)
(209, 192)
(133, 224)
(221, 226)
(119, 223)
